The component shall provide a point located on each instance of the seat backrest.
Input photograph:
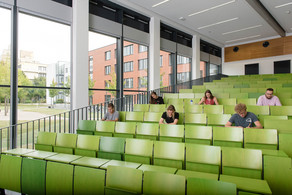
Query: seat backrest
(157, 107)
(281, 110)
(260, 136)
(163, 183)
(213, 109)
(126, 127)
(186, 95)
(141, 107)
(167, 130)
(199, 119)
(122, 116)
(46, 138)
(178, 108)
(186, 91)
(88, 142)
(192, 108)
(169, 150)
(199, 95)
(238, 95)
(228, 109)
(286, 102)
(221, 95)
(105, 126)
(285, 141)
(175, 101)
(250, 90)
(230, 101)
(139, 147)
(247, 101)
(283, 126)
(147, 129)
(203, 154)
(124, 179)
(257, 110)
(167, 96)
(191, 101)
(255, 95)
(66, 140)
(134, 116)
(262, 118)
(232, 134)
(88, 125)
(198, 132)
(218, 119)
(152, 117)
(230, 90)
(112, 144)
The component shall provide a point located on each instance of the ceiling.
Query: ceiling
(228, 22)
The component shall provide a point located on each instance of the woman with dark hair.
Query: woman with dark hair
(209, 99)
(155, 99)
(170, 116)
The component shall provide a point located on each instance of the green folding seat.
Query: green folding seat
(228, 109)
(199, 90)
(199, 95)
(65, 143)
(130, 183)
(147, 131)
(261, 138)
(285, 90)
(262, 118)
(264, 82)
(171, 133)
(283, 126)
(264, 89)
(125, 129)
(10, 169)
(230, 90)
(181, 119)
(186, 95)
(259, 110)
(198, 87)
(217, 119)
(286, 102)
(195, 174)
(287, 85)
(221, 95)
(203, 158)
(120, 163)
(284, 95)
(88, 180)
(186, 91)
(141, 108)
(33, 175)
(198, 134)
(248, 101)
(213, 109)
(59, 178)
(230, 101)
(255, 95)
(157, 108)
(111, 148)
(285, 141)
(152, 117)
(196, 109)
(250, 90)
(139, 151)
(122, 116)
(176, 102)
(242, 162)
(163, 169)
(270, 79)
(243, 85)
(238, 95)
(45, 141)
(274, 86)
(87, 145)
(191, 101)
(281, 111)
(228, 136)
(167, 96)
(208, 186)
(105, 128)
(195, 119)
(256, 85)
(134, 116)
(86, 127)
(62, 158)
(169, 154)
(163, 183)
(178, 108)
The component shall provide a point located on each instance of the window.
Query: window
(107, 70)
(107, 98)
(143, 64)
(107, 55)
(128, 50)
(106, 84)
(183, 77)
(161, 60)
(128, 83)
(128, 66)
(165, 70)
(142, 48)
(42, 68)
(142, 82)
(183, 68)
(42, 75)
(170, 60)
(182, 60)
(170, 79)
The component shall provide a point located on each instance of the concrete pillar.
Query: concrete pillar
(196, 57)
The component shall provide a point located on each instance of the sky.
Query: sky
(50, 41)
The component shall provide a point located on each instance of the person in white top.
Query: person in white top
(269, 99)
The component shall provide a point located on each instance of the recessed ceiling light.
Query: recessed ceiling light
(242, 38)
(205, 10)
(224, 21)
(278, 6)
(159, 3)
(241, 29)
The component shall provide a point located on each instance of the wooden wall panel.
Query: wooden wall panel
(279, 46)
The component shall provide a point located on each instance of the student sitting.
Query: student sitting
(269, 99)
(155, 99)
(111, 114)
(209, 99)
(244, 119)
(170, 116)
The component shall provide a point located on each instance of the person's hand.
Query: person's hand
(248, 125)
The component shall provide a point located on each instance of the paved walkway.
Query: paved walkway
(23, 115)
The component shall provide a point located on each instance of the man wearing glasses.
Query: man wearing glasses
(269, 99)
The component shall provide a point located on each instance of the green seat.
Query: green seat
(281, 110)
(196, 87)
(262, 118)
(175, 101)
(139, 150)
(45, 141)
(213, 109)
(122, 116)
(284, 95)
(167, 96)
(86, 127)
(275, 86)
(228, 136)
(186, 95)
(207, 186)
(88, 180)
(111, 148)
(125, 129)
(283, 126)
(120, 164)
(257, 110)
(134, 116)
(162, 169)
(163, 183)
(157, 107)
(147, 131)
(244, 85)
(192, 108)
(228, 109)
(242, 162)
(89, 162)
(169, 154)
(38, 154)
(59, 178)
(131, 182)
(87, 145)
(18, 151)
(203, 158)
(261, 138)
(172, 133)
(65, 143)
(195, 119)
(186, 91)
(238, 95)
(230, 101)
(248, 101)
(199, 95)
(62, 158)
(152, 117)
(105, 128)
(198, 134)
(255, 95)
(218, 119)
(181, 119)
(231, 90)
(178, 108)
(195, 174)
(286, 102)
(287, 85)
(191, 101)
(10, 169)
(285, 141)
(252, 89)
(221, 95)
(141, 107)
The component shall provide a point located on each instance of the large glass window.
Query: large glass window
(183, 69)
(202, 69)
(166, 69)
(214, 69)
